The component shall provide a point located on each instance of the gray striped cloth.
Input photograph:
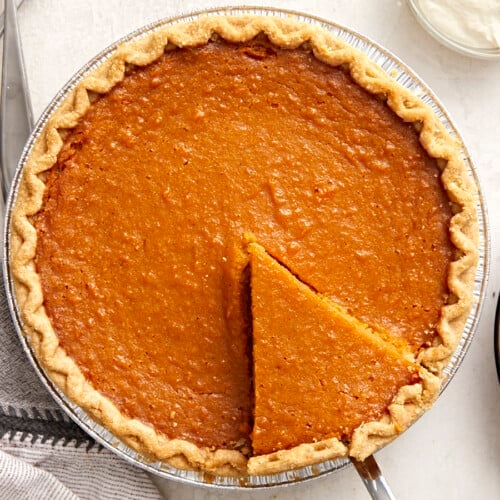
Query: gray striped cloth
(43, 454)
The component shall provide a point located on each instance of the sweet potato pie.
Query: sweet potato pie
(243, 247)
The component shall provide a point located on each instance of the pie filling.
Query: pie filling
(142, 260)
(318, 372)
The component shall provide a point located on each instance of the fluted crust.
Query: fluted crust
(409, 403)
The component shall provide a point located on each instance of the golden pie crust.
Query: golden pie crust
(409, 403)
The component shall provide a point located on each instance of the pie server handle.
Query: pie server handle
(497, 338)
(18, 3)
(16, 117)
(375, 483)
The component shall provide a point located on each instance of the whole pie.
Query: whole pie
(244, 248)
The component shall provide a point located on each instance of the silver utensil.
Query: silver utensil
(372, 478)
(497, 339)
(16, 116)
(18, 3)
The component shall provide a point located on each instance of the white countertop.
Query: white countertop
(454, 450)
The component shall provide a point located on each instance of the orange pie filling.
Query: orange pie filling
(318, 372)
(142, 256)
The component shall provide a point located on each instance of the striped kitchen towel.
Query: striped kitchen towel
(43, 454)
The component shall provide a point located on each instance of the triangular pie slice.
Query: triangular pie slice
(319, 373)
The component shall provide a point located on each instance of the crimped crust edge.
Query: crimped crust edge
(409, 403)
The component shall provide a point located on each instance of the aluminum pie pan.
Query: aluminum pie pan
(402, 74)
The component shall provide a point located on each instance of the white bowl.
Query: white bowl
(444, 39)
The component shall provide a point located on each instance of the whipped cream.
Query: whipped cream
(473, 23)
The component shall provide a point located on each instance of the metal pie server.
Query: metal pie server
(372, 478)
(16, 116)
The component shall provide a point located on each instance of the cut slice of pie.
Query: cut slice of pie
(319, 373)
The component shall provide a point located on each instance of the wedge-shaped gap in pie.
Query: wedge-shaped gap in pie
(319, 372)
